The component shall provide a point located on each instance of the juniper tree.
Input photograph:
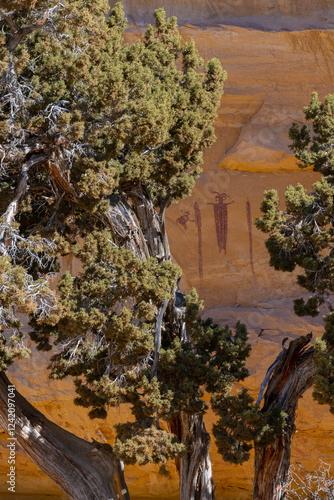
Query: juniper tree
(97, 138)
(301, 238)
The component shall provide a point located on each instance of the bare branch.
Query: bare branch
(26, 250)
(157, 342)
(12, 209)
(301, 484)
(9, 19)
(35, 292)
(267, 377)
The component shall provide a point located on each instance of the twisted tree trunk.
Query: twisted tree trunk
(195, 470)
(290, 379)
(83, 470)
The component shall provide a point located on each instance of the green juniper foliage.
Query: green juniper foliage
(97, 138)
(112, 114)
(242, 424)
(220, 362)
(302, 235)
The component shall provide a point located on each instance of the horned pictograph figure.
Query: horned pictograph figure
(221, 220)
(184, 219)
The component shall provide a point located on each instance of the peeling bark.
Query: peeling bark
(195, 470)
(124, 227)
(152, 226)
(83, 470)
(291, 378)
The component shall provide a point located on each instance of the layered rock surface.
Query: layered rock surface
(259, 14)
(276, 52)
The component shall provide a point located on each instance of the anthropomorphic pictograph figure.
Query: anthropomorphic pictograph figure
(221, 221)
(184, 219)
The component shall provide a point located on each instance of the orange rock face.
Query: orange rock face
(276, 52)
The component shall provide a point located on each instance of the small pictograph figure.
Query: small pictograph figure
(184, 219)
(221, 220)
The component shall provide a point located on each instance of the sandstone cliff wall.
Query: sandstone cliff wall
(268, 14)
(276, 52)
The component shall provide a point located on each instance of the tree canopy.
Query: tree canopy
(109, 115)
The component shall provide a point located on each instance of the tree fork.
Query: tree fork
(83, 470)
(290, 379)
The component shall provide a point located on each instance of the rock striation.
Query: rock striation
(258, 14)
(276, 52)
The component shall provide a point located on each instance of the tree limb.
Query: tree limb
(21, 190)
(84, 471)
(9, 19)
(17, 32)
(292, 376)
(267, 377)
(157, 341)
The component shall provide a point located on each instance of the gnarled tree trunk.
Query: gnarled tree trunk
(290, 379)
(83, 470)
(195, 471)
